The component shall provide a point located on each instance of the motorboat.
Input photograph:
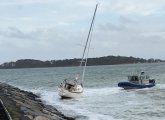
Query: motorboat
(138, 81)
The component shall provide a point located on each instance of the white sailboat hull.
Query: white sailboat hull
(65, 93)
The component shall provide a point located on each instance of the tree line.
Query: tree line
(106, 60)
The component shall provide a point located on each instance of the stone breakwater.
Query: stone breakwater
(23, 105)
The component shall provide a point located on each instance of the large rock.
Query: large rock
(40, 118)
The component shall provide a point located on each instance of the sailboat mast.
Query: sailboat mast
(88, 35)
(88, 45)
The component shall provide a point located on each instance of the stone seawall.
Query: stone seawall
(23, 105)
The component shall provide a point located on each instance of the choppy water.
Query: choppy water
(102, 99)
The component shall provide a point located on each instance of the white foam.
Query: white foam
(77, 107)
(101, 91)
(161, 86)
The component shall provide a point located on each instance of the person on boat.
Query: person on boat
(142, 76)
(142, 73)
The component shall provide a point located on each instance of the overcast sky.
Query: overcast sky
(57, 29)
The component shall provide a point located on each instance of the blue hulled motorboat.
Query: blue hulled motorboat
(137, 81)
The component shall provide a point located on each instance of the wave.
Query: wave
(95, 102)
(101, 91)
(160, 86)
(81, 108)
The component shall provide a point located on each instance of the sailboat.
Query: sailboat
(74, 88)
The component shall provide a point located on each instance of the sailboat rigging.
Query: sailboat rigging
(73, 88)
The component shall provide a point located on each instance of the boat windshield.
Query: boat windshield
(143, 77)
(133, 78)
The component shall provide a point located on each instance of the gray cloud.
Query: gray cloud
(13, 32)
(52, 29)
(125, 20)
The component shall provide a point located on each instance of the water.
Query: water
(102, 99)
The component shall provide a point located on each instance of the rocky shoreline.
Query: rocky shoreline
(23, 105)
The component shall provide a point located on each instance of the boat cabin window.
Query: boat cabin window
(142, 77)
(147, 77)
(133, 78)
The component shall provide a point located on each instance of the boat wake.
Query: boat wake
(101, 91)
(160, 86)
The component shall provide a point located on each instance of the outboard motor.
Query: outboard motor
(152, 81)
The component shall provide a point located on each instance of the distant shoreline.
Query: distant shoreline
(107, 60)
(27, 106)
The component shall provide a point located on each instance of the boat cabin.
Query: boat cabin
(69, 85)
(140, 79)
